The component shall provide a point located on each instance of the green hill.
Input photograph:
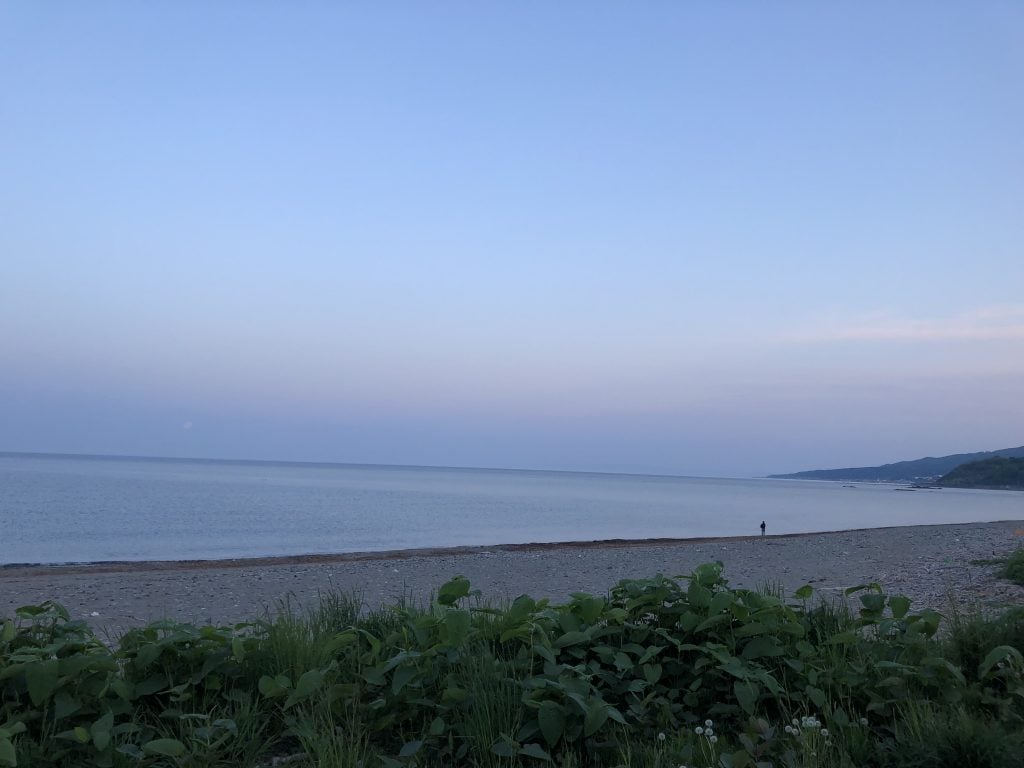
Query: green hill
(997, 472)
(927, 469)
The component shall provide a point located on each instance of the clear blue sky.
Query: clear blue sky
(695, 238)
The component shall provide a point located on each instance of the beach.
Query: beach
(930, 564)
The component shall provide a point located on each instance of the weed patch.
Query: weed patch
(658, 672)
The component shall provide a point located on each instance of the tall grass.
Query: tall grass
(1013, 568)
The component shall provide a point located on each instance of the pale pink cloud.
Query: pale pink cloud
(999, 323)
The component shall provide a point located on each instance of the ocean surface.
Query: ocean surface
(61, 509)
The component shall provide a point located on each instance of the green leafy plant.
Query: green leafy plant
(634, 677)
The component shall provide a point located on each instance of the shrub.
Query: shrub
(1013, 569)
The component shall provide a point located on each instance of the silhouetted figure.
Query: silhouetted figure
(762, 527)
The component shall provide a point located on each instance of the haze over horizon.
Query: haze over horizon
(692, 240)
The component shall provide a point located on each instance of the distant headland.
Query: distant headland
(996, 473)
(929, 469)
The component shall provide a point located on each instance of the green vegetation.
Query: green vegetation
(998, 472)
(661, 672)
(928, 468)
(1013, 567)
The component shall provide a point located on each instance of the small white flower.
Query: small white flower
(661, 737)
(789, 729)
(709, 732)
(699, 731)
(713, 739)
(708, 723)
(824, 732)
(796, 722)
(863, 721)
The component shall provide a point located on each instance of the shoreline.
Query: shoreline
(315, 558)
(928, 563)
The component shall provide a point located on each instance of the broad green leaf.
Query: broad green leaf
(708, 574)
(713, 620)
(761, 646)
(816, 695)
(269, 687)
(456, 624)
(875, 603)
(505, 749)
(572, 638)
(551, 719)
(453, 591)
(308, 683)
(305, 687)
(146, 655)
(535, 751)
(650, 653)
(652, 672)
(804, 593)
(437, 726)
(402, 676)
(454, 693)
(721, 601)
(597, 715)
(165, 747)
(122, 689)
(751, 629)
(41, 678)
(591, 608)
(521, 608)
(746, 694)
(410, 748)
(997, 654)
(64, 704)
(7, 755)
(899, 605)
(698, 595)
(100, 731)
(131, 750)
(152, 684)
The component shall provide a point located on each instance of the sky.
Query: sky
(721, 239)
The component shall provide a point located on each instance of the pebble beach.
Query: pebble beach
(931, 564)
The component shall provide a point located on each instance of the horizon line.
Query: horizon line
(220, 460)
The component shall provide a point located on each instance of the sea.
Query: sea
(74, 509)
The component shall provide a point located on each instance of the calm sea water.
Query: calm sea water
(58, 509)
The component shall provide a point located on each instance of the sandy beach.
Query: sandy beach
(927, 563)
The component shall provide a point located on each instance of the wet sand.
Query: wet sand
(929, 564)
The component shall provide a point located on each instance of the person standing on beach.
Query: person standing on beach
(762, 527)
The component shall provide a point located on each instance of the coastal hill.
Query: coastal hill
(998, 472)
(927, 469)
